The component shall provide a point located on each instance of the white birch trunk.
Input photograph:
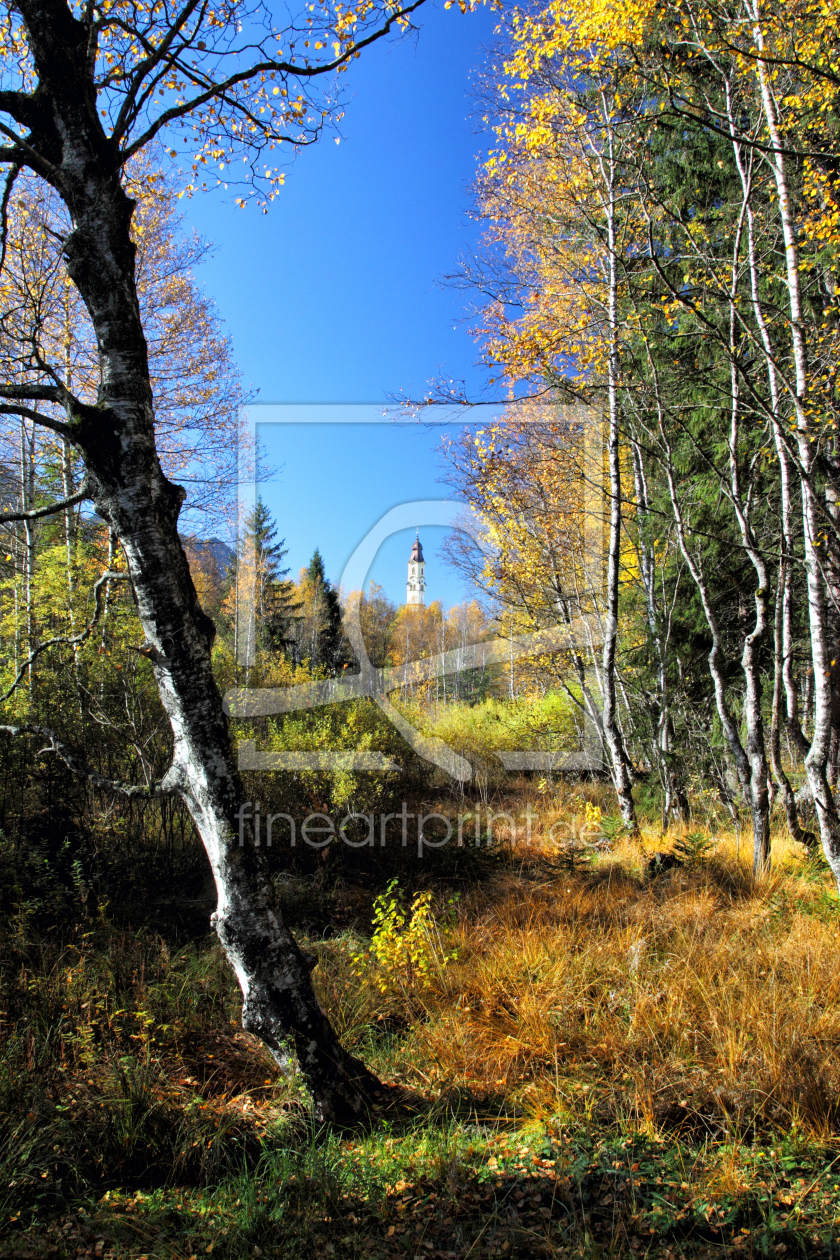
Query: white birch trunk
(816, 760)
(612, 730)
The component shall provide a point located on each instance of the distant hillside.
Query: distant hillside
(213, 549)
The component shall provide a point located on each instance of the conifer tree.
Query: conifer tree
(328, 645)
(275, 604)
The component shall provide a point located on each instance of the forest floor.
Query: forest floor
(604, 1058)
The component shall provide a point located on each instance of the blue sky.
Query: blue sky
(334, 295)
(355, 443)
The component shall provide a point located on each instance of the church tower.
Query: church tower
(415, 591)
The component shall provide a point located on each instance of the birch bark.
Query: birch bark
(782, 630)
(816, 761)
(68, 147)
(612, 730)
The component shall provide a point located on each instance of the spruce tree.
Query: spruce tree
(276, 607)
(329, 647)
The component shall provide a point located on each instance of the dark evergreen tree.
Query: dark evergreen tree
(276, 607)
(329, 648)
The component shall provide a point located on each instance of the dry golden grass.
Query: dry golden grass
(698, 999)
(615, 1066)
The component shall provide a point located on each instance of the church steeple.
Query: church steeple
(415, 591)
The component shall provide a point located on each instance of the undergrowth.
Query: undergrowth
(604, 1059)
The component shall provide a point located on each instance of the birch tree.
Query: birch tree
(773, 86)
(732, 164)
(87, 88)
(554, 194)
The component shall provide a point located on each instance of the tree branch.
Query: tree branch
(287, 68)
(4, 210)
(22, 106)
(46, 422)
(74, 640)
(24, 153)
(33, 393)
(705, 118)
(153, 59)
(50, 510)
(57, 393)
(77, 765)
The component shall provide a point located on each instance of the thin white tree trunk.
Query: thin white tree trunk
(612, 730)
(816, 761)
(782, 629)
(756, 748)
(716, 655)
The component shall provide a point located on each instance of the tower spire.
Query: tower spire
(415, 591)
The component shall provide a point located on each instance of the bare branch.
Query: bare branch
(57, 393)
(50, 510)
(215, 90)
(152, 60)
(38, 417)
(78, 766)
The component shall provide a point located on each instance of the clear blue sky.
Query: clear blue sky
(342, 508)
(334, 295)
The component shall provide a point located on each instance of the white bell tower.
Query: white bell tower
(415, 591)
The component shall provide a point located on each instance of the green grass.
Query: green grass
(447, 1186)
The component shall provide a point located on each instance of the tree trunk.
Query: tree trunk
(783, 636)
(750, 656)
(817, 758)
(116, 439)
(675, 800)
(781, 778)
(612, 730)
(716, 655)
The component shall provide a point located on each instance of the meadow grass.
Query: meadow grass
(596, 1059)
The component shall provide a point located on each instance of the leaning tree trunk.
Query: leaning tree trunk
(117, 442)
